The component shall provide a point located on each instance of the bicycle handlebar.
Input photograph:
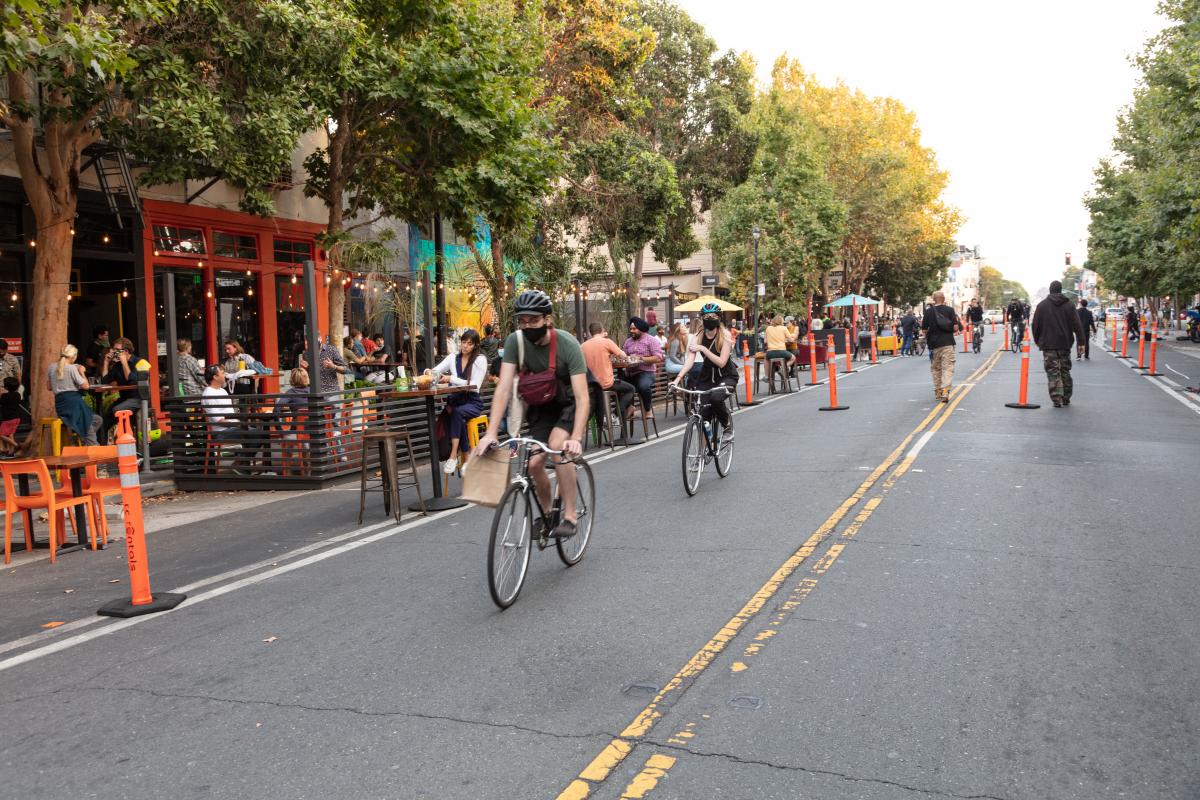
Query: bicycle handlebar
(517, 439)
(673, 388)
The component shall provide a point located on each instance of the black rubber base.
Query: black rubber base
(833, 408)
(439, 504)
(813, 383)
(1021, 405)
(164, 601)
(749, 402)
(1152, 374)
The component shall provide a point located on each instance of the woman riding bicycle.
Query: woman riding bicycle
(712, 349)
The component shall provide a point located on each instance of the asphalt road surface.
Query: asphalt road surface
(902, 600)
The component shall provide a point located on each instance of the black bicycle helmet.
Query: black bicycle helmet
(710, 308)
(533, 301)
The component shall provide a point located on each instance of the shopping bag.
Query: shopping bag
(485, 477)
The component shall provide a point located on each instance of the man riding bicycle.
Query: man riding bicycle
(1016, 319)
(553, 383)
(712, 348)
(975, 316)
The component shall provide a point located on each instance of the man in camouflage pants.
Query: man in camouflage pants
(1056, 327)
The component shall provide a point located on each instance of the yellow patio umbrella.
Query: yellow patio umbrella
(700, 302)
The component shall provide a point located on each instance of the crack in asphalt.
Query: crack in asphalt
(816, 771)
(333, 709)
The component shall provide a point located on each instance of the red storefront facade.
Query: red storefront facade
(213, 275)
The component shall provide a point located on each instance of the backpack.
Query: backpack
(538, 388)
(945, 322)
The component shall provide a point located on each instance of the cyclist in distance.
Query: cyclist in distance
(712, 349)
(975, 315)
(1016, 317)
(558, 412)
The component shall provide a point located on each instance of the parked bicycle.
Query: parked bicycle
(703, 441)
(521, 521)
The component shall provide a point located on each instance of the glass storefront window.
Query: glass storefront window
(235, 245)
(237, 312)
(290, 317)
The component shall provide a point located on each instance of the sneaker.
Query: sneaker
(449, 467)
(565, 530)
(1058, 404)
(727, 436)
(1066, 401)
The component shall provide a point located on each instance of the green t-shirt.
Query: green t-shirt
(568, 360)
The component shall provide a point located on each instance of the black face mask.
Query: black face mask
(712, 324)
(534, 335)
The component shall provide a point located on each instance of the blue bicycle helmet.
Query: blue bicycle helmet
(710, 308)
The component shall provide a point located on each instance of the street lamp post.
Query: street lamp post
(756, 233)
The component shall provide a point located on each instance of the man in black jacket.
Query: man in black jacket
(1055, 328)
(940, 323)
(1088, 322)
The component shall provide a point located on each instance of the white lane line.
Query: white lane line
(1177, 372)
(328, 552)
(921, 442)
(1185, 400)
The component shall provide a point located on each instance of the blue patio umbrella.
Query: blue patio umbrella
(853, 300)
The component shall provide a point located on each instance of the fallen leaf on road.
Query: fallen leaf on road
(54, 624)
(68, 591)
(270, 639)
(115, 580)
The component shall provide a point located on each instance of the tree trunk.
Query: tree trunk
(498, 287)
(636, 289)
(335, 198)
(48, 326)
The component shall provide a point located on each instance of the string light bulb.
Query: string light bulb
(250, 291)
(293, 279)
(208, 294)
(14, 293)
(125, 290)
(72, 231)
(33, 242)
(103, 238)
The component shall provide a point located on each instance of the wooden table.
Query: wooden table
(75, 466)
(438, 502)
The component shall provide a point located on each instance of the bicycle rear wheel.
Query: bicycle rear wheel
(571, 550)
(724, 457)
(509, 545)
(694, 446)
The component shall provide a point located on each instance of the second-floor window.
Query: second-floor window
(234, 245)
(174, 239)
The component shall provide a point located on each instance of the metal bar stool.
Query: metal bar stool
(392, 479)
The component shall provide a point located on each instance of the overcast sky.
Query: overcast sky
(1018, 99)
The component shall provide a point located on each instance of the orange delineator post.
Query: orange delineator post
(1023, 392)
(1125, 341)
(141, 600)
(1153, 371)
(966, 335)
(812, 359)
(746, 368)
(993, 321)
(1114, 345)
(1004, 335)
(874, 352)
(831, 370)
(1141, 347)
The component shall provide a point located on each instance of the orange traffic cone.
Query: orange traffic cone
(140, 601)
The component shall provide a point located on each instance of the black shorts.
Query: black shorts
(545, 418)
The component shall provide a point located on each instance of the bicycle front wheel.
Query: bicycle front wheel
(724, 452)
(571, 550)
(694, 446)
(509, 546)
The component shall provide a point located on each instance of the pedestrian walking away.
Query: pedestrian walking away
(1056, 327)
(1088, 321)
(940, 323)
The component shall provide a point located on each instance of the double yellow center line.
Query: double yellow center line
(619, 748)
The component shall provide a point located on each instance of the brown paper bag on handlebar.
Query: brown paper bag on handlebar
(486, 477)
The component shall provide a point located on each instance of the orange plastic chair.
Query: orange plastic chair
(55, 501)
(94, 486)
